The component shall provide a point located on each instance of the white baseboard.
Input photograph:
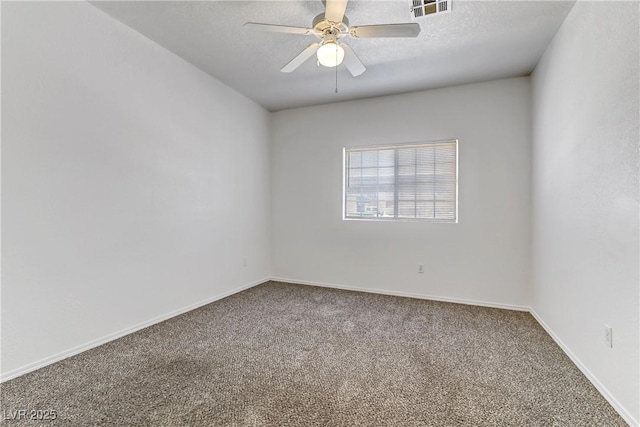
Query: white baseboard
(406, 294)
(110, 337)
(587, 373)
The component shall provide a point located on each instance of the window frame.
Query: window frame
(394, 146)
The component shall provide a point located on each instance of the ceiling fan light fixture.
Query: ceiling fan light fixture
(330, 54)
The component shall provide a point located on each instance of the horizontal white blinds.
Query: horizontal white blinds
(406, 181)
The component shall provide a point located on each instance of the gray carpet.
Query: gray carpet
(282, 354)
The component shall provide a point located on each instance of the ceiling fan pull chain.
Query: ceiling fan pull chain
(336, 68)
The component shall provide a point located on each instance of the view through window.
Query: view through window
(409, 181)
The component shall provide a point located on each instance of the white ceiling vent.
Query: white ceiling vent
(421, 8)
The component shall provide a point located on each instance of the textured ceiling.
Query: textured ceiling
(477, 41)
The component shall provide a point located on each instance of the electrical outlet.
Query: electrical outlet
(420, 268)
(244, 262)
(608, 335)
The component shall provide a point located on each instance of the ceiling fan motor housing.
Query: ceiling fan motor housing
(321, 24)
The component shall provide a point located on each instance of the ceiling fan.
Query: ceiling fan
(331, 26)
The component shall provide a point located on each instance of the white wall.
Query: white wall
(485, 257)
(133, 184)
(585, 193)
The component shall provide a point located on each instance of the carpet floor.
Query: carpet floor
(282, 354)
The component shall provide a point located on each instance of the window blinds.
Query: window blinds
(402, 182)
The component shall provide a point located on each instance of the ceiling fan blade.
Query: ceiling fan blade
(352, 62)
(386, 30)
(334, 10)
(302, 56)
(278, 28)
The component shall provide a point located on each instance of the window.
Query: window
(409, 181)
